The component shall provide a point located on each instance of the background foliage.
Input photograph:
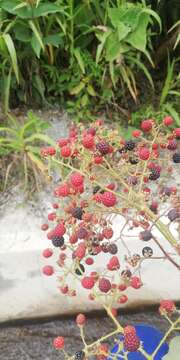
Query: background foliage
(84, 54)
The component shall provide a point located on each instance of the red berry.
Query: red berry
(123, 299)
(104, 285)
(168, 120)
(80, 319)
(144, 153)
(146, 125)
(88, 282)
(122, 287)
(44, 227)
(111, 186)
(167, 307)
(113, 263)
(62, 190)
(59, 230)
(47, 253)
(98, 159)
(73, 238)
(64, 289)
(135, 282)
(114, 312)
(48, 151)
(109, 199)
(98, 197)
(62, 142)
(131, 341)
(52, 216)
(88, 141)
(48, 270)
(107, 233)
(59, 342)
(177, 132)
(76, 179)
(89, 261)
(136, 133)
(129, 330)
(80, 251)
(65, 151)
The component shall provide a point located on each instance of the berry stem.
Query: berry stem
(166, 254)
(172, 328)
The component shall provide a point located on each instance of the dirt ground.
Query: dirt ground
(34, 341)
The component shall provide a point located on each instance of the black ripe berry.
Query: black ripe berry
(176, 158)
(129, 145)
(58, 241)
(97, 189)
(145, 235)
(147, 252)
(80, 269)
(173, 214)
(79, 355)
(154, 175)
(77, 213)
(133, 161)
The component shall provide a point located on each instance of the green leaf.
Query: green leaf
(36, 33)
(22, 33)
(142, 67)
(111, 70)
(123, 30)
(41, 137)
(7, 84)
(138, 38)
(36, 46)
(174, 349)
(113, 47)
(103, 37)
(153, 14)
(79, 59)
(12, 52)
(77, 89)
(54, 39)
(84, 100)
(173, 113)
(129, 16)
(30, 12)
(168, 81)
(90, 90)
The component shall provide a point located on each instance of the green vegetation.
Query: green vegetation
(80, 54)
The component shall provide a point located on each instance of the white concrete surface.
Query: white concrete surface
(26, 293)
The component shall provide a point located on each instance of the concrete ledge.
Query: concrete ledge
(27, 294)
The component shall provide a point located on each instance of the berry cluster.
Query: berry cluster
(106, 177)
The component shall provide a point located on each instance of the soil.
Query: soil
(34, 341)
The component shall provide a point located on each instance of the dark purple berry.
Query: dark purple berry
(82, 233)
(129, 145)
(103, 147)
(173, 214)
(79, 355)
(145, 235)
(77, 213)
(154, 175)
(58, 241)
(112, 248)
(176, 158)
(172, 145)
